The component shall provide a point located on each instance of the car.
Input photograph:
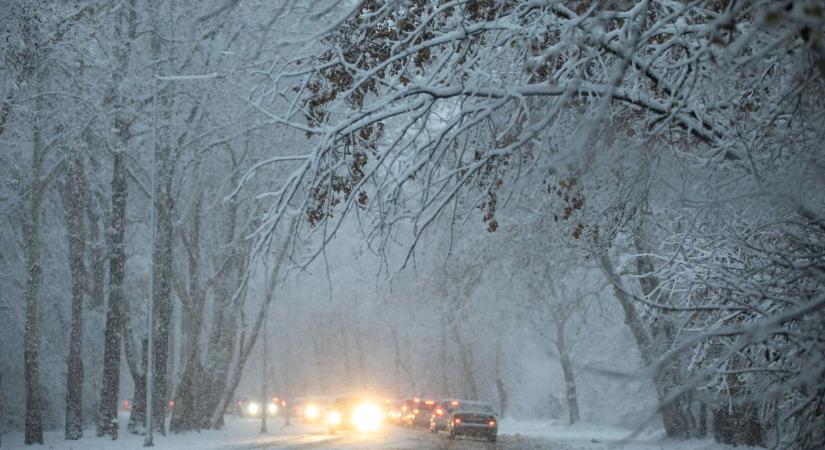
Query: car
(359, 414)
(394, 411)
(441, 415)
(312, 409)
(406, 412)
(253, 408)
(421, 413)
(471, 418)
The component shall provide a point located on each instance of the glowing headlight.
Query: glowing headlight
(334, 418)
(367, 417)
(272, 408)
(252, 408)
(311, 412)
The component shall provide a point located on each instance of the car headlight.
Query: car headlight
(272, 408)
(334, 418)
(367, 417)
(311, 412)
(252, 408)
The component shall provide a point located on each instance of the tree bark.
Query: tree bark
(246, 345)
(110, 387)
(34, 280)
(137, 418)
(466, 357)
(500, 386)
(115, 309)
(672, 418)
(74, 204)
(185, 414)
(162, 298)
(567, 369)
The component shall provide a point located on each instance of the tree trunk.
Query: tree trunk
(672, 417)
(567, 369)
(500, 386)
(221, 348)
(34, 280)
(110, 387)
(137, 418)
(74, 204)
(162, 298)
(115, 310)
(466, 357)
(443, 362)
(184, 416)
(246, 345)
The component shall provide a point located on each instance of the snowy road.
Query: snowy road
(244, 434)
(397, 439)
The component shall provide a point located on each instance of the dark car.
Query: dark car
(407, 411)
(441, 415)
(422, 412)
(355, 413)
(394, 411)
(473, 419)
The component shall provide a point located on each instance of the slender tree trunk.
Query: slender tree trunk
(222, 341)
(163, 302)
(97, 255)
(137, 418)
(443, 356)
(223, 335)
(672, 417)
(500, 386)
(116, 317)
(184, 416)
(567, 369)
(466, 357)
(34, 280)
(110, 387)
(75, 202)
(246, 345)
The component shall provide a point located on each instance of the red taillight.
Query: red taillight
(492, 423)
(171, 403)
(439, 412)
(429, 402)
(457, 421)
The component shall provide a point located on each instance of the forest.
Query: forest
(585, 210)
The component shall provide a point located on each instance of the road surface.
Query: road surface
(394, 438)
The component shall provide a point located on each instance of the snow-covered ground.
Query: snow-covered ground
(245, 434)
(587, 436)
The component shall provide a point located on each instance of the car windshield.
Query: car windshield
(475, 407)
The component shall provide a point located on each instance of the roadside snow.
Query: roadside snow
(584, 436)
(237, 433)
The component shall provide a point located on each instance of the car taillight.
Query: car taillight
(439, 412)
(492, 423)
(457, 421)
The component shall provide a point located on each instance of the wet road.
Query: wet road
(398, 439)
